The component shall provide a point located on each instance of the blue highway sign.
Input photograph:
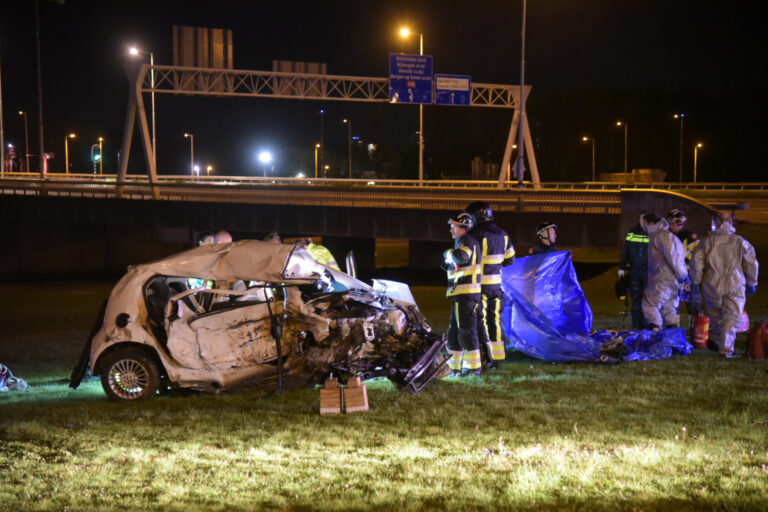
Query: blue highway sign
(453, 89)
(410, 78)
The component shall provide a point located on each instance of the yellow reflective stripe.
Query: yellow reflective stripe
(493, 259)
(485, 247)
(472, 359)
(634, 237)
(466, 250)
(491, 279)
(510, 253)
(455, 361)
(461, 289)
(496, 349)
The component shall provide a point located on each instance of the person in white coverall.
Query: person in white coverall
(666, 272)
(725, 267)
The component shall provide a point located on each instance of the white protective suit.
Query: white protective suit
(724, 264)
(666, 266)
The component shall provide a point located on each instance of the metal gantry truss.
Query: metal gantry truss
(266, 84)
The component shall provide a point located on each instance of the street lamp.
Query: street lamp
(26, 138)
(587, 139)
(101, 156)
(265, 157)
(626, 130)
(191, 138)
(196, 169)
(405, 32)
(696, 158)
(681, 117)
(317, 146)
(349, 144)
(208, 170)
(66, 150)
(322, 136)
(326, 169)
(135, 52)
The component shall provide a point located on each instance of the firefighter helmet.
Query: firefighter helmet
(678, 216)
(543, 228)
(481, 211)
(462, 219)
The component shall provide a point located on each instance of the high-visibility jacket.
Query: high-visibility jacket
(321, 254)
(634, 256)
(464, 267)
(496, 251)
(690, 241)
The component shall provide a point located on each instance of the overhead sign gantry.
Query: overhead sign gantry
(193, 81)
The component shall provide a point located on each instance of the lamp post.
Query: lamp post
(626, 130)
(191, 138)
(587, 139)
(696, 158)
(681, 117)
(322, 136)
(404, 33)
(66, 150)
(101, 156)
(265, 157)
(208, 170)
(317, 146)
(26, 138)
(349, 144)
(135, 51)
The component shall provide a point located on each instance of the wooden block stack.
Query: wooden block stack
(356, 396)
(331, 397)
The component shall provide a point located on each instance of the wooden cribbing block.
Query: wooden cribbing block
(356, 396)
(331, 397)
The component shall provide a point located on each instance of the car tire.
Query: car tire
(130, 375)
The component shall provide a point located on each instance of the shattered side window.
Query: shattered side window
(300, 265)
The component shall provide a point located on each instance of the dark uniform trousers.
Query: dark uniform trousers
(489, 323)
(462, 331)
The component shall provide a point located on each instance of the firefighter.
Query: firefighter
(634, 266)
(690, 240)
(496, 251)
(546, 235)
(462, 264)
(666, 272)
(725, 267)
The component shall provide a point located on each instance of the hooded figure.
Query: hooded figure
(725, 267)
(666, 271)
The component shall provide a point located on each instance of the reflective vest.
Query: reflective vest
(464, 267)
(322, 255)
(496, 252)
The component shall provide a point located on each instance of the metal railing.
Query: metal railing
(334, 193)
(369, 182)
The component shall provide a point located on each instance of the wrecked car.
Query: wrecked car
(253, 314)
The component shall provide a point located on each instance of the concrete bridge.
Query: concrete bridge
(83, 225)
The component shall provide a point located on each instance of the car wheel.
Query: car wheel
(129, 375)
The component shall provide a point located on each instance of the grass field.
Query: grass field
(688, 433)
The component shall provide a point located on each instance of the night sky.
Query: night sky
(590, 62)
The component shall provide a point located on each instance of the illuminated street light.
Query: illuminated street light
(208, 170)
(66, 151)
(681, 117)
(405, 32)
(26, 138)
(587, 139)
(191, 138)
(317, 146)
(101, 160)
(326, 169)
(265, 157)
(696, 158)
(135, 52)
(626, 130)
(196, 169)
(349, 144)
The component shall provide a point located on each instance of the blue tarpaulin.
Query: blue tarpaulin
(547, 316)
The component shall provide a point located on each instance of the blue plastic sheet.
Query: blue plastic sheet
(547, 316)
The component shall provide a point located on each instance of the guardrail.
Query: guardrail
(336, 193)
(371, 182)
